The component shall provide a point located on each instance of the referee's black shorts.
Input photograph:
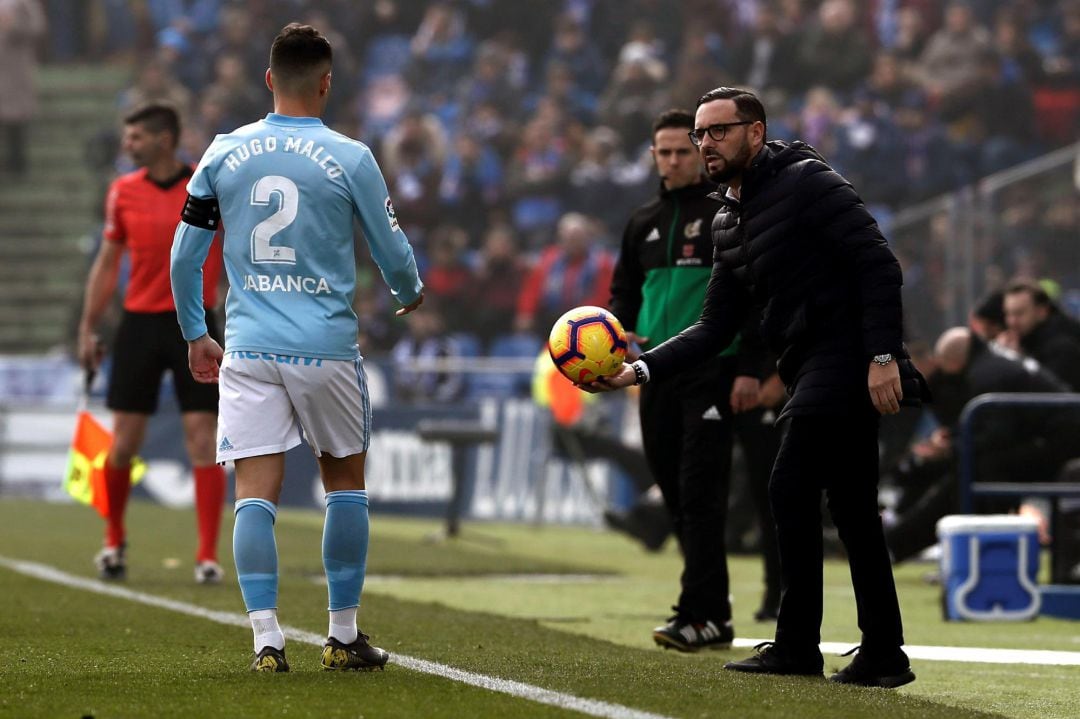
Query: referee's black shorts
(147, 344)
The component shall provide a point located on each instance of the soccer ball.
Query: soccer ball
(587, 343)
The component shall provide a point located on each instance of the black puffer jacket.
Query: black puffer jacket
(1053, 345)
(801, 245)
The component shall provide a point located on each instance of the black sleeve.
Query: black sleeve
(726, 305)
(627, 280)
(837, 215)
(200, 212)
(1062, 359)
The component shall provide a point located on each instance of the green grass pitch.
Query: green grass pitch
(490, 602)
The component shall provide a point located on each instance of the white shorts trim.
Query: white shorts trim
(267, 400)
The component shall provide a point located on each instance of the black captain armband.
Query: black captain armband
(203, 213)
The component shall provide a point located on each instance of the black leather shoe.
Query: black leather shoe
(772, 658)
(888, 670)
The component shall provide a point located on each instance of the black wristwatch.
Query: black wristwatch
(883, 359)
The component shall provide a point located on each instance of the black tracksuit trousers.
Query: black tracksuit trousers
(686, 427)
(837, 454)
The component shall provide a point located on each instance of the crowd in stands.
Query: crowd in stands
(514, 135)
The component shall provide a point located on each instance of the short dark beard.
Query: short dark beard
(734, 168)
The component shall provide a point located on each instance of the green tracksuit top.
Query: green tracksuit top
(665, 263)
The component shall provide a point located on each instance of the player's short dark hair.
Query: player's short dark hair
(298, 56)
(1038, 294)
(747, 104)
(156, 117)
(675, 117)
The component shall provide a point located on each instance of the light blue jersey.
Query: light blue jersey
(288, 189)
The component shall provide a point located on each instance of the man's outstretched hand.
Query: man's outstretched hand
(623, 378)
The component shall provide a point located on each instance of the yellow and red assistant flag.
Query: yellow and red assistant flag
(84, 478)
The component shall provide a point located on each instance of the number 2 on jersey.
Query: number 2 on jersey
(262, 252)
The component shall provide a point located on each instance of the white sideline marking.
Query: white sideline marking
(977, 655)
(591, 707)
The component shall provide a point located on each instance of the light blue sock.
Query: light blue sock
(344, 547)
(255, 553)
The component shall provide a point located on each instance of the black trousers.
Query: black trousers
(759, 438)
(687, 433)
(837, 455)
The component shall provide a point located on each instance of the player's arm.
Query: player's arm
(626, 284)
(389, 247)
(100, 286)
(191, 243)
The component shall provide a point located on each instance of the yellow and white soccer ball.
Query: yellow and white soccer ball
(587, 343)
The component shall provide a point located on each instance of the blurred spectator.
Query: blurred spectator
(68, 25)
(1064, 60)
(911, 35)
(987, 319)
(426, 340)
(234, 38)
(560, 88)
(992, 117)
(636, 94)
(212, 117)
(153, 83)
(833, 51)
(22, 24)
(441, 48)
(192, 19)
(472, 183)
(765, 57)
(887, 84)
(1037, 328)
(121, 30)
(701, 65)
(603, 182)
(413, 154)
(537, 176)
(869, 149)
(951, 58)
(1030, 443)
(446, 275)
(1020, 61)
(182, 28)
(489, 81)
(244, 101)
(345, 60)
(615, 22)
(571, 47)
(576, 271)
(819, 120)
(495, 284)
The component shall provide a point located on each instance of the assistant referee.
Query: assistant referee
(141, 212)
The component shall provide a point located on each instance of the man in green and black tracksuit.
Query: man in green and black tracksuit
(687, 422)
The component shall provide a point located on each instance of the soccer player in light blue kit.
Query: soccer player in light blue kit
(287, 189)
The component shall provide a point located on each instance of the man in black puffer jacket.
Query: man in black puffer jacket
(794, 239)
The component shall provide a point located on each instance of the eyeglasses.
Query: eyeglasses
(716, 132)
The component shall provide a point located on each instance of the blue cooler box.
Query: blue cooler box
(989, 565)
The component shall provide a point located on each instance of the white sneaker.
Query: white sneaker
(209, 573)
